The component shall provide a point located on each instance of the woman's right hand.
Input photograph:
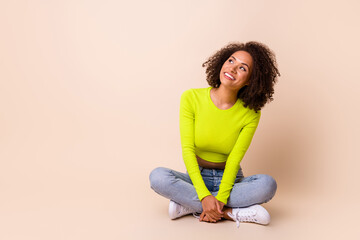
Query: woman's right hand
(211, 209)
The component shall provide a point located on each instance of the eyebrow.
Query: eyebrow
(240, 62)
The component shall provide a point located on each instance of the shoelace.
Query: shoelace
(248, 216)
(185, 210)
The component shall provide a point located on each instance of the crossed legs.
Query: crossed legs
(177, 186)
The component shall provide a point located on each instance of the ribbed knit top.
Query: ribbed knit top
(215, 135)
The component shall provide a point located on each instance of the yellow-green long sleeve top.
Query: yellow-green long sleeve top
(214, 135)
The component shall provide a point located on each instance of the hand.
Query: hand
(207, 219)
(221, 205)
(212, 209)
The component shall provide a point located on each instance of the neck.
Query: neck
(225, 95)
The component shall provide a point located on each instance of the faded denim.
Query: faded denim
(177, 186)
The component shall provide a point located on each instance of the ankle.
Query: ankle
(227, 210)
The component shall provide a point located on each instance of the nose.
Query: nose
(233, 69)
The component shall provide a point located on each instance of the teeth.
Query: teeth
(229, 76)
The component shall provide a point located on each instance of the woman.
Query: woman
(217, 124)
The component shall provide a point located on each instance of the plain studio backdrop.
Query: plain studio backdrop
(89, 105)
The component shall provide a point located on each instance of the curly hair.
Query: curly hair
(262, 79)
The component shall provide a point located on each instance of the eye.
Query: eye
(242, 68)
(230, 60)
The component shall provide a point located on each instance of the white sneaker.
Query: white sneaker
(176, 210)
(255, 213)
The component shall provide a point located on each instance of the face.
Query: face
(236, 71)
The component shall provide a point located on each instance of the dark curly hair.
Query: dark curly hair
(262, 79)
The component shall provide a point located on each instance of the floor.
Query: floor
(70, 209)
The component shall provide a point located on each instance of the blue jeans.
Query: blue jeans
(177, 186)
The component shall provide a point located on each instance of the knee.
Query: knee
(157, 177)
(269, 187)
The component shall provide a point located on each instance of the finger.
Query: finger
(218, 207)
(202, 216)
(212, 220)
(215, 214)
(206, 218)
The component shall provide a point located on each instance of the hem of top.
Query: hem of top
(213, 161)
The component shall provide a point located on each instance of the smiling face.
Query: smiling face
(236, 71)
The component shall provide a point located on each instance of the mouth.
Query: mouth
(229, 76)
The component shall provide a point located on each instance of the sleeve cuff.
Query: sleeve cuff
(221, 200)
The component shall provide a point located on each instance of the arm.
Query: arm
(211, 207)
(235, 157)
(187, 118)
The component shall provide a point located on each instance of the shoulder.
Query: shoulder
(186, 96)
(254, 117)
(187, 92)
(251, 114)
(194, 92)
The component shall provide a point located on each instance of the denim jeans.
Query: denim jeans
(177, 186)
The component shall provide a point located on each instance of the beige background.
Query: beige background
(89, 101)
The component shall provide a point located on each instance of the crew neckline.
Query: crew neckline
(213, 104)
